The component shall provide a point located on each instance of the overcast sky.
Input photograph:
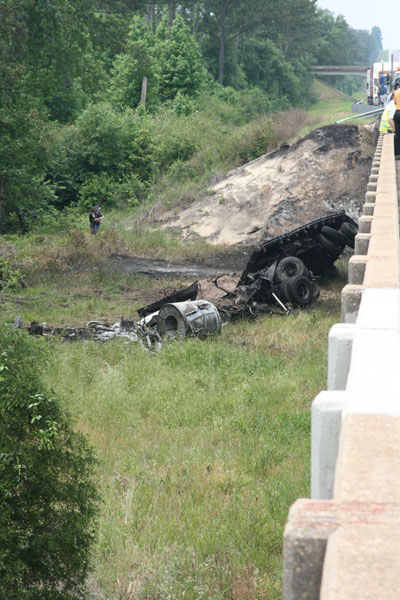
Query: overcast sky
(365, 14)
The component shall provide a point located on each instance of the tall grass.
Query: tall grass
(203, 448)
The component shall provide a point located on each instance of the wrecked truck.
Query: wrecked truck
(282, 271)
(287, 267)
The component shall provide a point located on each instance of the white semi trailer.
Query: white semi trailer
(381, 77)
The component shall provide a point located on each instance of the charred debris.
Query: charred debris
(282, 272)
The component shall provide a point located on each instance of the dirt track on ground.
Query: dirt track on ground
(213, 265)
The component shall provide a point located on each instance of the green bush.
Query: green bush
(96, 189)
(51, 220)
(47, 495)
(128, 193)
(176, 138)
(265, 65)
(182, 105)
(104, 145)
(226, 94)
(113, 142)
(216, 108)
(254, 102)
(10, 277)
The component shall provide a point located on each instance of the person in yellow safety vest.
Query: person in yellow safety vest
(385, 124)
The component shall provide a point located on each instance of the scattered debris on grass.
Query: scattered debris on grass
(282, 272)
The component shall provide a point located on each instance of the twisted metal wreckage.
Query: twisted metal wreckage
(282, 272)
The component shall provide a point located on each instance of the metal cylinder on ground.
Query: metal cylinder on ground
(179, 319)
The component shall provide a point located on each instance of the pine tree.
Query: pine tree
(180, 64)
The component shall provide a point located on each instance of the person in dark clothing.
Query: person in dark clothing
(394, 118)
(95, 218)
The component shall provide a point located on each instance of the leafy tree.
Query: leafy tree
(23, 190)
(266, 67)
(56, 45)
(180, 63)
(109, 37)
(294, 29)
(102, 141)
(332, 38)
(47, 495)
(365, 50)
(122, 7)
(376, 35)
(225, 24)
(22, 151)
(134, 64)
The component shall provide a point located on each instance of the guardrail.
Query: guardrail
(343, 543)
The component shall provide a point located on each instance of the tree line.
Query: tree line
(72, 116)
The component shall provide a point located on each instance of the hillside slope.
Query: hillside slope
(323, 172)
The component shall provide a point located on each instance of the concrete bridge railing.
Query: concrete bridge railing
(344, 542)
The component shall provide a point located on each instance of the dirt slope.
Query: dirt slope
(325, 171)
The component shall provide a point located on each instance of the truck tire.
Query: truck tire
(350, 241)
(349, 228)
(300, 290)
(337, 237)
(283, 293)
(350, 231)
(332, 249)
(288, 267)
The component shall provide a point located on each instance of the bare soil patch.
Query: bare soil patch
(212, 265)
(323, 172)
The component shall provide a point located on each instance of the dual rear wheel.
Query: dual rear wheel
(334, 240)
(294, 285)
(298, 290)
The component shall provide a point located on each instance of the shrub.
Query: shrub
(113, 142)
(96, 189)
(104, 145)
(10, 277)
(51, 220)
(226, 94)
(47, 495)
(254, 102)
(182, 105)
(129, 193)
(176, 138)
(266, 67)
(77, 250)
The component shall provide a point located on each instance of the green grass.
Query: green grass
(330, 107)
(75, 298)
(203, 448)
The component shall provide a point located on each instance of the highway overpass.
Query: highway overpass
(339, 70)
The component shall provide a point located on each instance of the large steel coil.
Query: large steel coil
(179, 319)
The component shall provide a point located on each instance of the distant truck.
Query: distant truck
(381, 78)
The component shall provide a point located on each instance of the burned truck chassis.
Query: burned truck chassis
(286, 268)
(282, 271)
